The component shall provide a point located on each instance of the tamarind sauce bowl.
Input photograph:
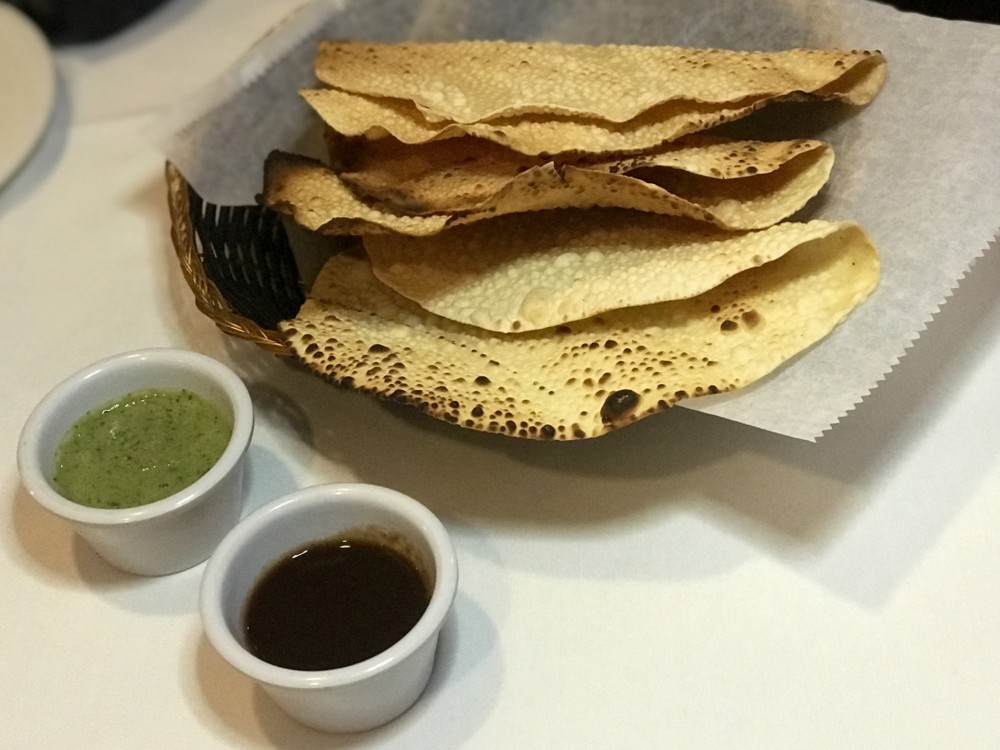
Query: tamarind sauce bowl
(358, 696)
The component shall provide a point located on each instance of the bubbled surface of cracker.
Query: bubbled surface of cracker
(584, 379)
(531, 271)
(733, 184)
(478, 81)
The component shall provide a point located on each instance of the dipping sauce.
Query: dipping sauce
(140, 448)
(333, 603)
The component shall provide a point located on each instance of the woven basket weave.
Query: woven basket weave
(238, 263)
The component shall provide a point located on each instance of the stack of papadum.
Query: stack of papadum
(554, 246)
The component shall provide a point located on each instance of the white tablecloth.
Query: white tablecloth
(686, 583)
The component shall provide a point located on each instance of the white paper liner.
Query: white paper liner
(917, 168)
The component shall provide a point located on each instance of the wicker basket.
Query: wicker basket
(238, 262)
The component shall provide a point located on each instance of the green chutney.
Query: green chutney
(140, 448)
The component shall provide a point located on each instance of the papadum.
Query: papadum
(734, 184)
(532, 271)
(582, 379)
(481, 81)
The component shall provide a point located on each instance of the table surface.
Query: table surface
(688, 582)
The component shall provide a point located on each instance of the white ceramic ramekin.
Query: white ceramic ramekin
(356, 697)
(167, 535)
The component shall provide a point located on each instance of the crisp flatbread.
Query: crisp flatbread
(733, 184)
(482, 81)
(582, 379)
(529, 271)
(356, 115)
(313, 195)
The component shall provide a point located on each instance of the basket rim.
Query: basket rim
(208, 298)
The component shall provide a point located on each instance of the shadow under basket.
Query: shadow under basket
(238, 262)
